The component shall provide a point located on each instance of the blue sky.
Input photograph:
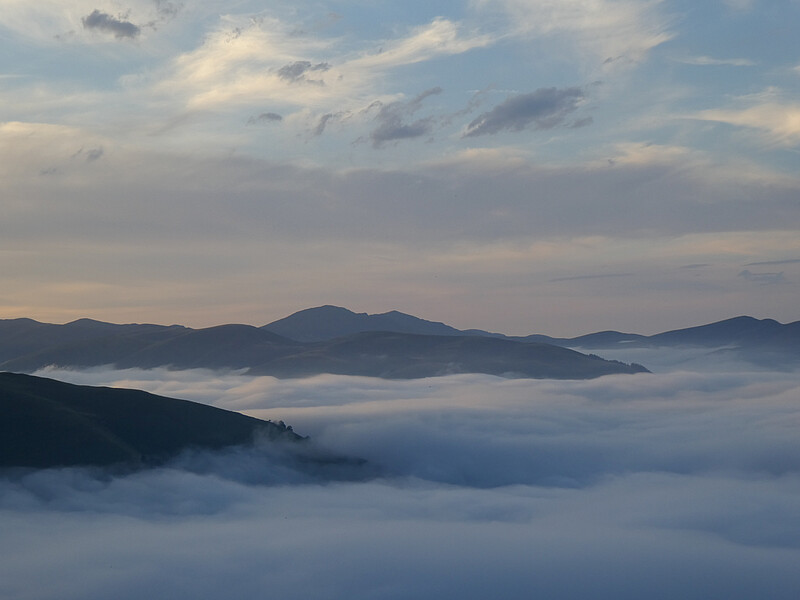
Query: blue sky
(519, 165)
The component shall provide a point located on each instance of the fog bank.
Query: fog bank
(678, 484)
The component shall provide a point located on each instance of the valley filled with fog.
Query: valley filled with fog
(682, 483)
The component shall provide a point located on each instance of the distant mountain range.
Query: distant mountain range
(361, 346)
(330, 339)
(762, 341)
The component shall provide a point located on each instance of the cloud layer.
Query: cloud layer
(680, 484)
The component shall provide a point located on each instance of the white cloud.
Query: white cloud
(440, 37)
(709, 61)
(658, 486)
(242, 61)
(617, 31)
(777, 122)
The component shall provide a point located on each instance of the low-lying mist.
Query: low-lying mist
(666, 485)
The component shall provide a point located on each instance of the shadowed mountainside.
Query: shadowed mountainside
(48, 423)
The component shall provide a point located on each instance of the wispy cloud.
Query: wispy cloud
(440, 37)
(599, 276)
(608, 31)
(778, 122)
(708, 61)
(763, 278)
(392, 124)
(788, 261)
(248, 61)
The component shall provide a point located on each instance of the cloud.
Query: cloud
(612, 32)
(298, 70)
(545, 108)
(531, 432)
(250, 61)
(268, 117)
(203, 239)
(391, 119)
(94, 154)
(778, 123)
(106, 23)
(788, 261)
(763, 278)
(168, 9)
(603, 276)
(440, 37)
(661, 486)
(583, 122)
(247, 61)
(708, 61)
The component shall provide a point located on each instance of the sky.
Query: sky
(520, 166)
(677, 484)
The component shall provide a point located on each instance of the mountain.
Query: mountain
(20, 338)
(330, 339)
(329, 322)
(48, 423)
(759, 341)
(735, 331)
(259, 351)
(143, 346)
(397, 355)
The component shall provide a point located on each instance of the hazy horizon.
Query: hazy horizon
(467, 327)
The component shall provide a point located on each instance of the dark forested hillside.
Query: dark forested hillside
(47, 423)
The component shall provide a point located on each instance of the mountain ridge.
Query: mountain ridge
(360, 340)
(260, 351)
(46, 423)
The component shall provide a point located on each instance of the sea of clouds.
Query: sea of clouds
(677, 484)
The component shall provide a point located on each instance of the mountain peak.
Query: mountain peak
(328, 322)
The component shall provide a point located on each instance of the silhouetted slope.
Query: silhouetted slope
(735, 331)
(47, 423)
(20, 338)
(601, 339)
(224, 346)
(401, 356)
(145, 346)
(329, 322)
